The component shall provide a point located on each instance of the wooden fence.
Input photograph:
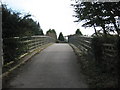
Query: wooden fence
(99, 59)
(16, 47)
(82, 43)
(34, 42)
(109, 50)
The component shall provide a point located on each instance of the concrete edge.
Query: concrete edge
(25, 59)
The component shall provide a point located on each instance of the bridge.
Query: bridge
(42, 63)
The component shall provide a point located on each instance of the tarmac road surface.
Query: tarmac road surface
(54, 67)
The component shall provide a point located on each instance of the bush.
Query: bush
(101, 73)
(13, 48)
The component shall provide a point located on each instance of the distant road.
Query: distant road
(54, 67)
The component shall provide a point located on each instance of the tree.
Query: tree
(15, 26)
(78, 32)
(41, 32)
(9, 23)
(52, 33)
(61, 37)
(98, 14)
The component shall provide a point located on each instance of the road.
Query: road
(54, 67)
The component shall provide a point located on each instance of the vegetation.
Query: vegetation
(14, 25)
(61, 37)
(106, 67)
(101, 72)
(98, 63)
(99, 14)
(52, 33)
(78, 32)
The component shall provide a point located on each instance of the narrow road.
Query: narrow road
(54, 67)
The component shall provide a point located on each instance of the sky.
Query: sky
(51, 14)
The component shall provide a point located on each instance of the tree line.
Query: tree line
(15, 25)
(99, 14)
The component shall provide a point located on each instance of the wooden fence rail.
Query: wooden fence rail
(16, 47)
(82, 43)
(109, 50)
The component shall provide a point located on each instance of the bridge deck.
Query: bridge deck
(54, 67)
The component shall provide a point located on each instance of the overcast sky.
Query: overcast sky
(51, 14)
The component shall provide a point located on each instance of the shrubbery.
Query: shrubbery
(101, 72)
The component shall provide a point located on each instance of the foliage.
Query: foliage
(104, 71)
(98, 14)
(12, 49)
(78, 32)
(97, 46)
(13, 25)
(52, 33)
(61, 37)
